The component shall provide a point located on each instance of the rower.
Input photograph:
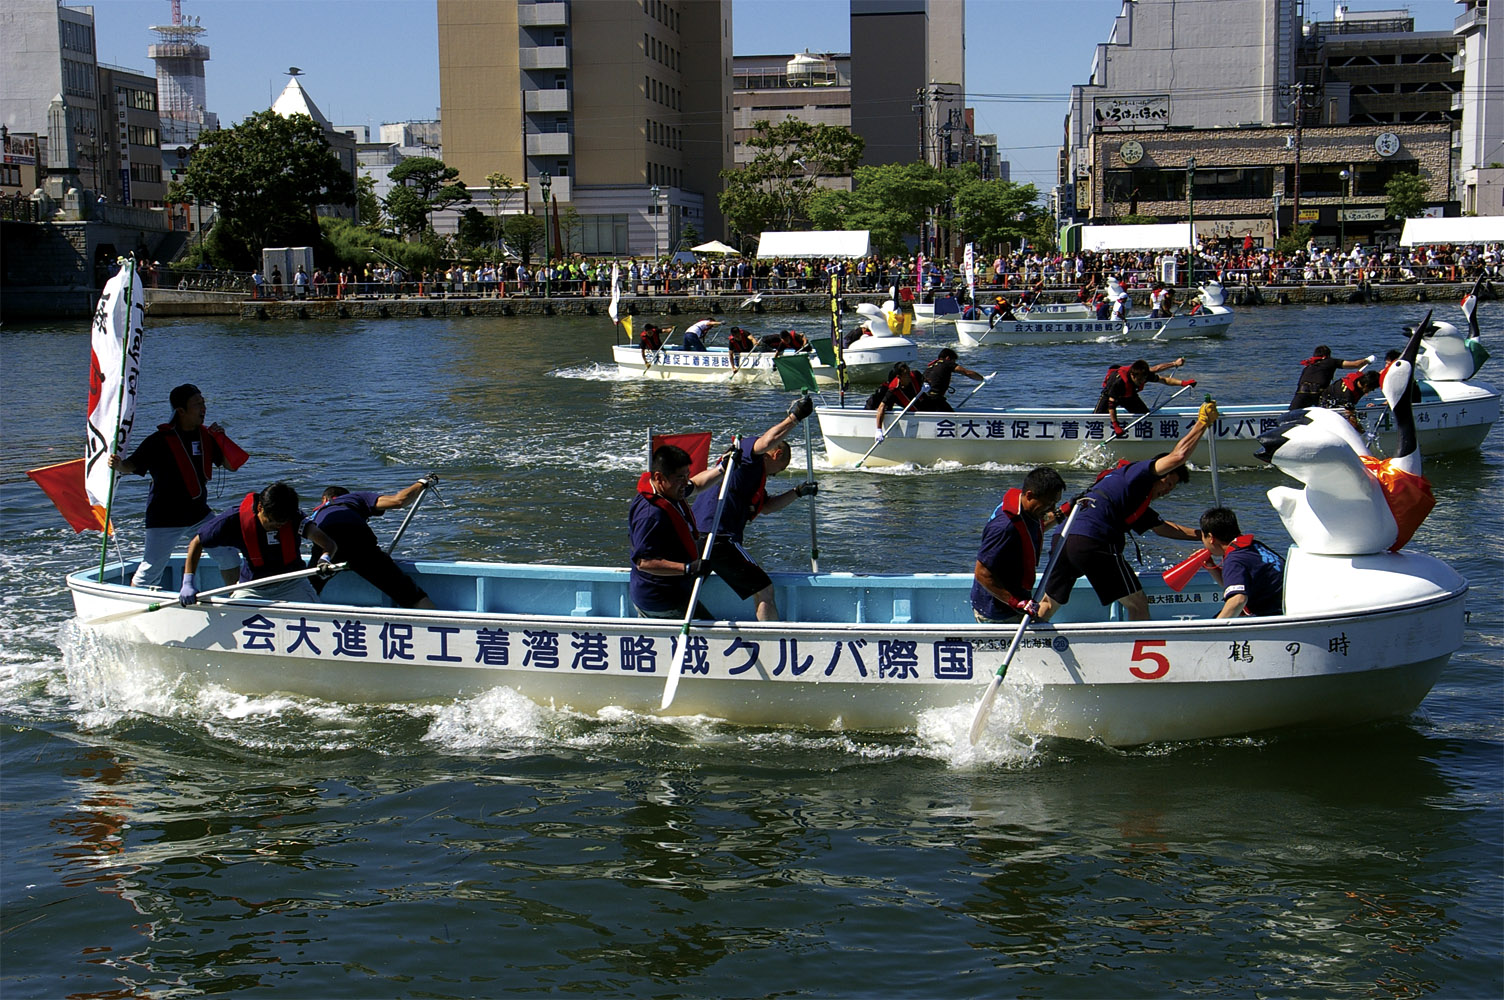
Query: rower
(1317, 374)
(1002, 309)
(344, 517)
(693, 339)
(937, 381)
(738, 343)
(651, 339)
(266, 529)
(1251, 574)
(902, 386)
(1347, 393)
(1123, 383)
(1117, 503)
(1008, 559)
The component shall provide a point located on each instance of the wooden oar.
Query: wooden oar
(973, 392)
(242, 585)
(681, 644)
(984, 707)
(1211, 448)
(901, 414)
(809, 466)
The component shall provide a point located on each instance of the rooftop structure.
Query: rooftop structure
(182, 98)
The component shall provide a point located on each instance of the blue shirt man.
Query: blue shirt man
(1008, 557)
(1252, 574)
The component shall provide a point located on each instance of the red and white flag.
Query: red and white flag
(114, 363)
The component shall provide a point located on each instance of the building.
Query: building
(179, 54)
(908, 76)
(295, 100)
(49, 86)
(19, 173)
(1333, 111)
(813, 88)
(626, 110)
(1480, 141)
(395, 142)
(131, 155)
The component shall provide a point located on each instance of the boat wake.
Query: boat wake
(596, 372)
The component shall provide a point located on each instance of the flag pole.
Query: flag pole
(128, 270)
(835, 335)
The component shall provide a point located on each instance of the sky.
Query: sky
(371, 61)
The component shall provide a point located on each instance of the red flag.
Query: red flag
(64, 486)
(698, 446)
(235, 455)
(558, 246)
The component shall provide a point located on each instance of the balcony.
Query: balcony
(1457, 101)
(550, 144)
(543, 57)
(542, 15)
(545, 100)
(1468, 19)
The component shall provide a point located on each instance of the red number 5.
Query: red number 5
(1162, 665)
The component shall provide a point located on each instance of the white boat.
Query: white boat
(867, 363)
(1075, 324)
(858, 651)
(1451, 416)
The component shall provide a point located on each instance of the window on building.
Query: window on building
(75, 36)
(561, 82)
(141, 100)
(558, 38)
(1217, 183)
(1144, 185)
(78, 78)
(141, 135)
(148, 173)
(561, 168)
(10, 175)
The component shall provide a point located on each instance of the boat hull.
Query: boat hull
(1213, 322)
(1452, 416)
(906, 648)
(866, 364)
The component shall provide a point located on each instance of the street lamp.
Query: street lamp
(1346, 176)
(1277, 197)
(655, 191)
(1190, 211)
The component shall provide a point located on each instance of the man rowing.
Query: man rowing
(1008, 558)
(266, 529)
(344, 516)
(1317, 373)
(1123, 383)
(937, 376)
(694, 335)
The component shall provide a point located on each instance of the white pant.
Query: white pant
(159, 545)
(300, 591)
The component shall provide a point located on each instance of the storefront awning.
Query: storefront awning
(1165, 236)
(822, 243)
(1473, 229)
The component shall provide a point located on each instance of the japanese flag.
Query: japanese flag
(114, 363)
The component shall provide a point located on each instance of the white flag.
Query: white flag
(611, 310)
(114, 362)
(971, 271)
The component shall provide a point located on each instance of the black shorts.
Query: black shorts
(1102, 564)
(931, 403)
(730, 562)
(1133, 404)
(1306, 397)
(383, 573)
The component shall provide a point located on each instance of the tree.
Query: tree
(890, 200)
(775, 187)
(1407, 195)
(367, 205)
(995, 212)
(267, 175)
(571, 228)
(425, 185)
(523, 235)
(501, 186)
(688, 234)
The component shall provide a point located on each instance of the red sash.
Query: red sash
(760, 495)
(209, 450)
(1012, 506)
(1129, 389)
(651, 341)
(1351, 381)
(680, 517)
(250, 532)
(1308, 362)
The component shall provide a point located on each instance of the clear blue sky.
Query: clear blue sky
(374, 61)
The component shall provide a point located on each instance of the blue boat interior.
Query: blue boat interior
(601, 592)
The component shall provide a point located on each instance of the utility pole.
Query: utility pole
(923, 158)
(1298, 92)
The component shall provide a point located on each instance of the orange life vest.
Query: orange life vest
(250, 532)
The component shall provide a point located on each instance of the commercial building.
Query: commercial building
(183, 97)
(131, 149)
(625, 109)
(908, 76)
(808, 87)
(1271, 121)
(1480, 141)
(49, 85)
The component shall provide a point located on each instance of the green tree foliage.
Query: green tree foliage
(992, 213)
(475, 235)
(504, 192)
(348, 244)
(890, 200)
(267, 175)
(425, 185)
(1294, 241)
(774, 189)
(367, 205)
(1407, 195)
(523, 235)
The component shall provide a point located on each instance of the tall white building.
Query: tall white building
(182, 97)
(1481, 29)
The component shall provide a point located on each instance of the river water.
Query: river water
(184, 841)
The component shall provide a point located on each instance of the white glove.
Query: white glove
(1370, 359)
(878, 435)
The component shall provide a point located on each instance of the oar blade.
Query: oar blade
(120, 616)
(984, 708)
(676, 668)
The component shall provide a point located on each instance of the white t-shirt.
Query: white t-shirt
(699, 329)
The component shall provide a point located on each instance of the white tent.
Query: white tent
(1473, 229)
(822, 243)
(714, 246)
(1163, 236)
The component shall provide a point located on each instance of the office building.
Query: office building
(49, 86)
(183, 98)
(908, 77)
(131, 149)
(1480, 140)
(808, 87)
(625, 108)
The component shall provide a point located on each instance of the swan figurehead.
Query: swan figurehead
(877, 319)
(1212, 293)
(1450, 355)
(1114, 288)
(1341, 509)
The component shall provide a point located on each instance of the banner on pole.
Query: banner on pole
(114, 364)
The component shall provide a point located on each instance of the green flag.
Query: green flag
(795, 371)
(824, 350)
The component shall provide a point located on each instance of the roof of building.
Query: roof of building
(294, 100)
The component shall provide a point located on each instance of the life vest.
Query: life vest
(1129, 389)
(791, 341)
(1351, 382)
(250, 532)
(680, 517)
(907, 393)
(209, 451)
(740, 341)
(1012, 508)
(651, 340)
